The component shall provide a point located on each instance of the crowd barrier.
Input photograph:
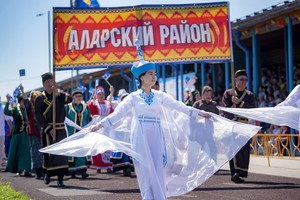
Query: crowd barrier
(279, 145)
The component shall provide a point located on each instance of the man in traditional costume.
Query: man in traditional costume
(240, 97)
(78, 112)
(52, 132)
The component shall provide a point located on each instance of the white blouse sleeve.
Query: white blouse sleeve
(169, 102)
(121, 110)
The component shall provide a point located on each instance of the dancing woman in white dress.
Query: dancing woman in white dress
(164, 139)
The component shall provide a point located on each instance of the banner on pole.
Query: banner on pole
(101, 37)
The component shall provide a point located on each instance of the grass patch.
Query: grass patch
(7, 192)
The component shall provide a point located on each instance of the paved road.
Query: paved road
(116, 187)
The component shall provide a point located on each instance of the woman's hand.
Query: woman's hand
(111, 89)
(96, 127)
(204, 114)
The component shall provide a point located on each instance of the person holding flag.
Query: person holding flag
(16, 93)
(102, 108)
(240, 97)
(19, 152)
(52, 131)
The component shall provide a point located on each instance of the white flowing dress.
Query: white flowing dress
(169, 143)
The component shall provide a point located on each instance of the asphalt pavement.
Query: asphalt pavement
(280, 180)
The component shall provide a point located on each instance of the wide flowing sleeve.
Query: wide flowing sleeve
(292, 99)
(279, 115)
(114, 136)
(286, 113)
(197, 147)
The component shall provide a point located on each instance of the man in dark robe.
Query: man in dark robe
(239, 98)
(52, 132)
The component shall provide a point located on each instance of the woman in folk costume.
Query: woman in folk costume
(287, 113)
(19, 152)
(163, 135)
(78, 112)
(101, 108)
(34, 137)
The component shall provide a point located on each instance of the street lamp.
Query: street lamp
(49, 46)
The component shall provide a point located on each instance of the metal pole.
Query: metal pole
(227, 75)
(290, 61)
(238, 42)
(90, 86)
(158, 74)
(254, 58)
(202, 75)
(72, 80)
(130, 81)
(181, 80)
(49, 44)
(290, 54)
(164, 76)
(175, 70)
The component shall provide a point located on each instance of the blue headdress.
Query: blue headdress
(142, 66)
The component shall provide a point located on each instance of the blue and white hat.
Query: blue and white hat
(142, 66)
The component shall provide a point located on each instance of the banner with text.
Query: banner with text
(104, 37)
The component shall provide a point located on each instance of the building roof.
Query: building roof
(269, 19)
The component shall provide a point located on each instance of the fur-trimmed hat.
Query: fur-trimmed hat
(47, 76)
(241, 72)
(77, 91)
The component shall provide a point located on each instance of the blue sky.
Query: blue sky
(24, 36)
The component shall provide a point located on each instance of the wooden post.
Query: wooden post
(54, 106)
(232, 78)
